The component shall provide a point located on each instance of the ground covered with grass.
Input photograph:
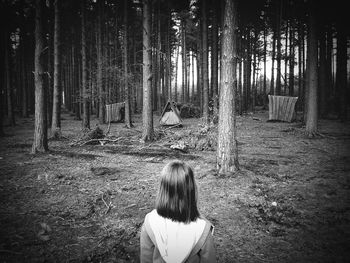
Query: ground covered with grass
(86, 203)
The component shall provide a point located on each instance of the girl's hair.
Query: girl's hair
(177, 196)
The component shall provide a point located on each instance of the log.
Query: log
(281, 108)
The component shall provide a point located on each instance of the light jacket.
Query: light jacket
(203, 250)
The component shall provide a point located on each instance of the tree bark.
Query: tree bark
(215, 63)
(126, 75)
(291, 59)
(322, 73)
(312, 78)
(273, 58)
(279, 52)
(9, 92)
(99, 80)
(84, 80)
(264, 81)
(40, 125)
(57, 89)
(205, 74)
(227, 150)
(341, 66)
(147, 114)
(168, 94)
(184, 60)
(176, 71)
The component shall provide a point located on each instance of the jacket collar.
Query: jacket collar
(207, 230)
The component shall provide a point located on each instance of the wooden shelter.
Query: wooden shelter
(281, 108)
(170, 115)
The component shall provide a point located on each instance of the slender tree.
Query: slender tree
(291, 59)
(126, 75)
(147, 114)
(8, 79)
(84, 80)
(205, 74)
(227, 150)
(341, 79)
(57, 83)
(264, 61)
(99, 77)
(184, 60)
(273, 58)
(279, 46)
(40, 125)
(322, 72)
(214, 59)
(312, 74)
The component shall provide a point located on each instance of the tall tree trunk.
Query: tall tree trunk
(8, 80)
(184, 61)
(75, 80)
(49, 81)
(255, 66)
(227, 150)
(176, 71)
(40, 125)
(248, 67)
(341, 78)
(192, 68)
(239, 85)
(25, 85)
(286, 60)
(322, 72)
(300, 69)
(126, 75)
(205, 74)
(312, 71)
(291, 59)
(279, 45)
(99, 80)
(265, 56)
(273, 58)
(168, 94)
(329, 52)
(57, 89)
(214, 59)
(147, 114)
(158, 57)
(199, 97)
(84, 80)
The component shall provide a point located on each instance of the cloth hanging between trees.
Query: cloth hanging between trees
(115, 112)
(281, 108)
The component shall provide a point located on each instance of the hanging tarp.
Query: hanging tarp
(281, 108)
(170, 115)
(115, 112)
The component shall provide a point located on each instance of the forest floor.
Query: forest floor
(289, 203)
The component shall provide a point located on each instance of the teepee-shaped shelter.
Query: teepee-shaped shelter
(170, 115)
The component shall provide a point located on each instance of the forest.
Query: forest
(96, 96)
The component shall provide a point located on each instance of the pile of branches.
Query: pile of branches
(93, 137)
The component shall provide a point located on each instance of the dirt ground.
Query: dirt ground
(289, 202)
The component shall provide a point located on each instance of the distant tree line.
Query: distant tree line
(86, 54)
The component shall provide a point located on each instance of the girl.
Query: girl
(174, 231)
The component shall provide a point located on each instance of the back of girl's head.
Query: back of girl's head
(177, 196)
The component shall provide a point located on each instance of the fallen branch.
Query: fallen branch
(109, 206)
(100, 140)
(171, 127)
